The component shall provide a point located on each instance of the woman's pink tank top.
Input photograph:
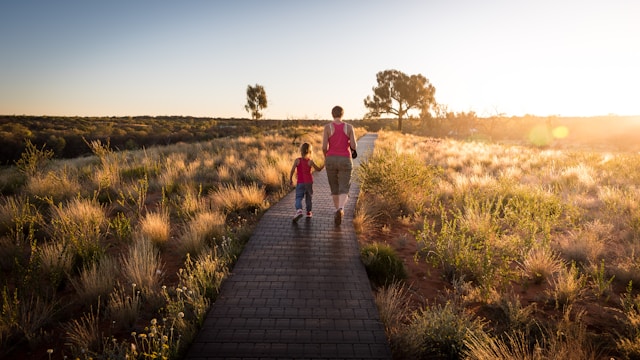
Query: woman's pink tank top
(339, 142)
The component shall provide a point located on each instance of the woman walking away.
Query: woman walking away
(338, 141)
(304, 188)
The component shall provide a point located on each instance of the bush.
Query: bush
(437, 332)
(401, 181)
(382, 264)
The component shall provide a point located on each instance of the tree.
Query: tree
(397, 93)
(256, 101)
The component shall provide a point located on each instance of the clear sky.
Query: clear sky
(196, 58)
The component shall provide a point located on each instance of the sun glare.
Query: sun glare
(560, 132)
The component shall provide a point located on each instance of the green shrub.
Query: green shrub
(401, 182)
(437, 332)
(382, 264)
(33, 160)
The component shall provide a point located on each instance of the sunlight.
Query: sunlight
(560, 132)
(539, 136)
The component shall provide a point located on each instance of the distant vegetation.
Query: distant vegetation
(68, 137)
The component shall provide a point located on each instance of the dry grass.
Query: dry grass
(541, 264)
(235, 197)
(204, 229)
(156, 228)
(124, 306)
(567, 286)
(96, 280)
(56, 261)
(83, 334)
(81, 226)
(393, 305)
(67, 216)
(142, 267)
(497, 208)
(57, 186)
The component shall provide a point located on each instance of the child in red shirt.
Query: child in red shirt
(304, 187)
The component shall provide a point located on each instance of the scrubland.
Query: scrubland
(120, 254)
(475, 249)
(509, 251)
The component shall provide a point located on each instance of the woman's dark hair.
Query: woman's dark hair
(337, 111)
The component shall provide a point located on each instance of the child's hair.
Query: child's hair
(305, 149)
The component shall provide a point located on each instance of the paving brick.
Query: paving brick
(298, 291)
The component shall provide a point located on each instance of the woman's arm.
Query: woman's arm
(315, 166)
(325, 139)
(352, 138)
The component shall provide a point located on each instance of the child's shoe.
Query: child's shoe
(299, 214)
(309, 214)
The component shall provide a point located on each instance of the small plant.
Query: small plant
(160, 340)
(567, 286)
(233, 198)
(120, 224)
(156, 228)
(437, 332)
(108, 176)
(56, 261)
(629, 342)
(26, 314)
(482, 346)
(382, 264)
(33, 160)
(541, 264)
(270, 177)
(601, 285)
(134, 196)
(205, 229)
(57, 186)
(96, 280)
(80, 225)
(141, 265)
(84, 335)
(124, 306)
(393, 305)
(401, 181)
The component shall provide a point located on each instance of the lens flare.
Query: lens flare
(560, 132)
(540, 136)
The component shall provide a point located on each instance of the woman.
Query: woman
(337, 142)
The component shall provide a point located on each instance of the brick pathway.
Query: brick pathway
(298, 291)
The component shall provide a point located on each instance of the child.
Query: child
(304, 187)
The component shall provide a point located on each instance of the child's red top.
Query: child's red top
(304, 171)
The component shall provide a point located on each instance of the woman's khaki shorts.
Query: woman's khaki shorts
(339, 174)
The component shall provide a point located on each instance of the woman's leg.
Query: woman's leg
(342, 200)
(332, 169)
(344, 181)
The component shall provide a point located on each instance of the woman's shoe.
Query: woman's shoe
(338, 217)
